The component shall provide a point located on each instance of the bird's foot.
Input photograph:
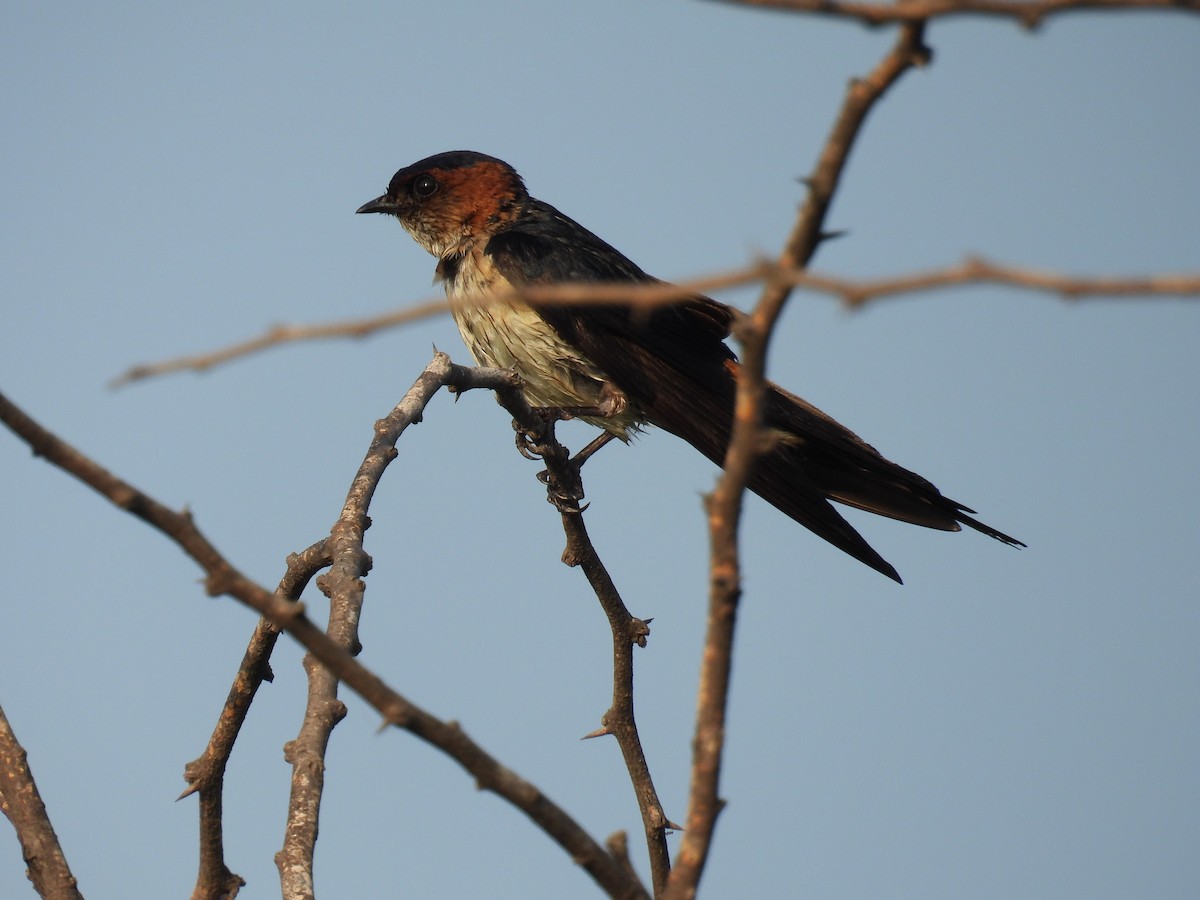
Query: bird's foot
(565, 413)
(527, 444)
(534, 444)
(565, 497)
(564, 487)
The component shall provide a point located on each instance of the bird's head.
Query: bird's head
(451, 201)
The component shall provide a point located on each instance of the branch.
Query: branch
(853, 292)
(22, 804)
(977, 270)
(725, 503)
(206, 774)
(281, 334)
(1028, 13)
(344, 587)
(223, 578)
(536, 439)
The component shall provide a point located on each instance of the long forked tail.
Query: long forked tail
(815, 459)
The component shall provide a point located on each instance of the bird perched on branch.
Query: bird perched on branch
(621, 367)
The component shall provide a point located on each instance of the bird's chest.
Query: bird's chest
(510, 334)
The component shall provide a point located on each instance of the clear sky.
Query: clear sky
(1009, 723)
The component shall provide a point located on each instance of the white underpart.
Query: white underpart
(510, 334)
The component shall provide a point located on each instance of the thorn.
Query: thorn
(639, 631)
(599, 732)
(191, 789)
(831, 235)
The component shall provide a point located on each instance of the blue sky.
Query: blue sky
(1008, 723)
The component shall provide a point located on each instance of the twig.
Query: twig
(852, 292)
(619, 720)
(344, 587)
(21, 802)
(223, 578)
(725, 503)
(206, 774)
(1028, 13)
(627, 631)
(278, 335)
(977, 270)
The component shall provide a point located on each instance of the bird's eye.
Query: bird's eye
(424, 186)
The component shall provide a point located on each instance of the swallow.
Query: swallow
(668, 366)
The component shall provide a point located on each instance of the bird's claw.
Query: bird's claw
(564, 497)
(527, 448)
(527, 445)
(564, 490)
(565, 504)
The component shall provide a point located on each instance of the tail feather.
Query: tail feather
(789, 490)
(849, 470)
(816, 459)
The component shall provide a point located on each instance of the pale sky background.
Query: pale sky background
(1007, 724)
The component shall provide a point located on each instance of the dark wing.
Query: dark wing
(628, 344)
(671, 361)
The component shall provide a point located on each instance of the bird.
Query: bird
(628, 368)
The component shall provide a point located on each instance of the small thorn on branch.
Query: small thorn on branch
(639, 631)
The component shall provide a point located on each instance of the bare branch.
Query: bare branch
(344, 586)
(278, 335)
(223, 578)
(565, 489)
(853, 292)
(21, 802)
(1028, 13)
(206, 774)
(977, 270)
(725, 503)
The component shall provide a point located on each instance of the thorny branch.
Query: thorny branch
(725, 503)
(853, 293)
(21, 802)
(1028, 13)
(566, 490)
(206, 774)
(610, 871)
(977, 270)
(344, 587)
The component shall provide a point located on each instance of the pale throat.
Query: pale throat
(436, 241)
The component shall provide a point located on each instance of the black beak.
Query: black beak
(384, 204)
